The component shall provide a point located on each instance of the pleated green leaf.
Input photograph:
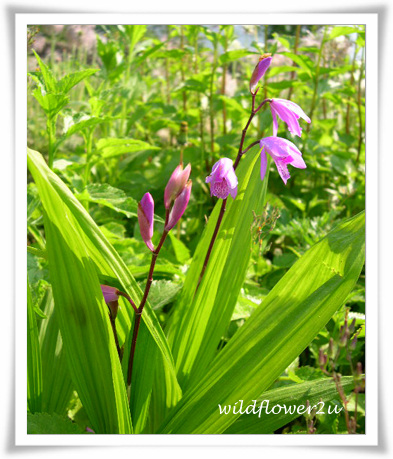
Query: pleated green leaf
(109, 265)
(56, 378)
(284, 324)
(45, 423)
(34, 369)
(292, 396)
(198, 323)
(83, 317)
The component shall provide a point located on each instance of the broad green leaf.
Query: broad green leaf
(45, 423)
(292, 397)
(51, 103)
(109, 263)
(134, 33)
(69, 81)
(342, 30)
(302, 61)
(290, 316)
(199, 320)
(83, 316)
(108, 196)
(107, 148)
(34, 365)
(56, 379)
(234, 55)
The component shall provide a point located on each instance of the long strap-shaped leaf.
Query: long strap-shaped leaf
(109, 263)
(291, 315)
(34, 369)
(198, 323)
(293, 400)
(56, 379)
(83, 317)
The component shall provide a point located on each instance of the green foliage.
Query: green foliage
(286, 273)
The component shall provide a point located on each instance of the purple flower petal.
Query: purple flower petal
(223, 179)
(289, 112)
(263, 164)
(282, 170)
(283, 153)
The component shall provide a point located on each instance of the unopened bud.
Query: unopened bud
(176, 184)
(146, 219)
(179, 206)
(260, 70)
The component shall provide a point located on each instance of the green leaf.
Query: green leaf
(47, 75)
(82, 314)
(34, 366)
(342, 30)
(108, 196)
(69, 81)
(56, 378)
(108, 263)
(200, 320)
(290, 316)
(45, 423)
(293, 396)
(107, 148)
(51, 103)
(234, 55)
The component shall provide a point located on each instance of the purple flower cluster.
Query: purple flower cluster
(223, 180)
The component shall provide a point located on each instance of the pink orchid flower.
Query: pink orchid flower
(288, 112)
(283, 153)
(146, 219)
(223, 180)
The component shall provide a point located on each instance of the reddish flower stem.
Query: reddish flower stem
(240, 153)
(138, 312)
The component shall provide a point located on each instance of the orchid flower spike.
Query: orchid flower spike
(179, 206)
(260, 70)
(283, 153)
(288, 112)
(223, 180)
(146, 219)
(176, 184)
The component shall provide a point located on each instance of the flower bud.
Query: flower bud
(146, 219)
(176, 184)
(179, 206)
(260, 70)
(111, 297)
(322, 357)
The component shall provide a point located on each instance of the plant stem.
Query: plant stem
(347, 117)
(51, 130)
(317, 70)
(138, 312)
(359, 102)
(293, 73)
(113, 324)
(211, 99)
(224, 202)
